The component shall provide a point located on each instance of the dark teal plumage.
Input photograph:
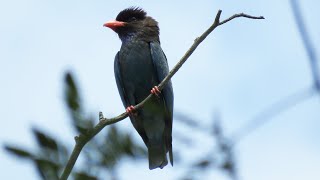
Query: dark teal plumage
(139, 66)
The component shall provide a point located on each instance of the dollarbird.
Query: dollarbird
(139, 67)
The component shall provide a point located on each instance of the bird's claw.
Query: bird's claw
(155, 90)
(130, 110)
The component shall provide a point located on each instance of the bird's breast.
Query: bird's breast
(137, 69)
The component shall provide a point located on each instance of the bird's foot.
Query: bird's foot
(155, 90)
(131, 110)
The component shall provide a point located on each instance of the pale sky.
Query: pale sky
(242, 68)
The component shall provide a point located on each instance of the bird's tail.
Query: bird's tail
(157, 156)
(170, 154)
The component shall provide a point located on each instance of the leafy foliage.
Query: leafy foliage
(49, 157)
(103, 153)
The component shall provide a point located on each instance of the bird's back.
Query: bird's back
(139, 76)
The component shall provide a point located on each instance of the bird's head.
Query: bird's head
(132, 23)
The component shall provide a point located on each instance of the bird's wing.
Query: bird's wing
(120, 86)
(162, 70)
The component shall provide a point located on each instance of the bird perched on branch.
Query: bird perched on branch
(139, 67)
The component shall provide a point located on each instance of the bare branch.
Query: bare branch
(82, 139)
(240, 15)
(307, 44)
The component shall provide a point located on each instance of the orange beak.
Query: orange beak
(114, 24)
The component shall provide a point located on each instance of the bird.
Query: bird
(139, 67)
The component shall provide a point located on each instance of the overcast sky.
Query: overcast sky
(242, 68)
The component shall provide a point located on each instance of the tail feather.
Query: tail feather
(157, 157)
(169, 147)
(171, 155)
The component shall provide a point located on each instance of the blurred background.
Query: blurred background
(246, 101)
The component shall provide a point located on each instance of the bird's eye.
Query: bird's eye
(133, 19)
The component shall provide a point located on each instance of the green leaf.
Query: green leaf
(71, 93)
(80, 121)
(47, 169)
(83, 176)
(45, 140)
(18, 152)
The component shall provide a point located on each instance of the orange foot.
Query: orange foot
(130, 110)
(155, 90)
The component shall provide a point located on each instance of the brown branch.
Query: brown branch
(82, 139)
(240, 15)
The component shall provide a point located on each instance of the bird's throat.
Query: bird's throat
(128, 37)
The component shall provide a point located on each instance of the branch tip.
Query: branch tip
(101, 116)
(217, 19)
(76, 138)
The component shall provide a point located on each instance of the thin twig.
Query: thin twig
(240, 15)
(307, 44)
(82, 139)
